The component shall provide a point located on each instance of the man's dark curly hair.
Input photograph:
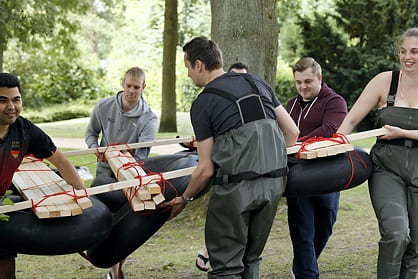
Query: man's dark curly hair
(9, 81)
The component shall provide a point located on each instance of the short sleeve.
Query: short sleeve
(40, 144)
(200, 120)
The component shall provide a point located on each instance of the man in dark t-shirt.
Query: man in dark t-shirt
(18, 137)
(238, 124)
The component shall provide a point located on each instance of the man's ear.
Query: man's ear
(143, 86)
(199, 65)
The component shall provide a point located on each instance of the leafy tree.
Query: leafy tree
(357, 42)
(28, 21)
(168, 122)
(43, 51)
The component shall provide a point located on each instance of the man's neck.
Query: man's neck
(214, 74)
(4, 129)
(127, 106)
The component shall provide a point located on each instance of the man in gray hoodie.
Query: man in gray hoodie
(123, 118)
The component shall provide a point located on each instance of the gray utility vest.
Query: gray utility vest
(256, 149)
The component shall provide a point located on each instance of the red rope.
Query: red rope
(67, 193)
(192, 144)
(337, 138)
(101, 155)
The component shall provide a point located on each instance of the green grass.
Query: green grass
(170, 253)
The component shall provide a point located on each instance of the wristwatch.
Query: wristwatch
(187, 200)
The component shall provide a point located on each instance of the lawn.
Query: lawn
(170, 253)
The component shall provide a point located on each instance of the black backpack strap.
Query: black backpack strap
(248, 175)
(250, 106)
(393, 88)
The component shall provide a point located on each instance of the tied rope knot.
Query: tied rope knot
(72, 194)
(101, 155)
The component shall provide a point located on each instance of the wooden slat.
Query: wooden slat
(116, 161)
(100, 189)
(326, 151)
(36, 180)
(356, 136)
(128, 146)
(125, 167)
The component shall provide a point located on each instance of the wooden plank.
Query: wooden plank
(128, 146)
(158, 198)
(125, 167)
(41, 211)
(116, 161)
(84, 202)
(74, 208)
(46, 180)
(356, 136)
(35, 176)
(100, 189)
(326, 151)
(153, 188)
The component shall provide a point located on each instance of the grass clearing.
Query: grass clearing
(171, 252)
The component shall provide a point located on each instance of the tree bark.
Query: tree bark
(168, 121)
(247, 31)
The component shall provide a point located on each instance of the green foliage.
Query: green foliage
(190, 92)
(47, 59)
(4, 200)
(356, 43)
(58, 112)
(285, 85)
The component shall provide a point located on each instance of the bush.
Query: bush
(58, 113)
(285, 85)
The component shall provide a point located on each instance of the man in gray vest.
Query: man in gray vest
(242, 131)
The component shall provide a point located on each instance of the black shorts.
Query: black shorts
(6, 254)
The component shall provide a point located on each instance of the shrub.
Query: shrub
(58, 112)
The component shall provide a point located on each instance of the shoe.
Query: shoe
(109, 276)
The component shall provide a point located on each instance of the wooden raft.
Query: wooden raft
(35, 180)
(125, 167)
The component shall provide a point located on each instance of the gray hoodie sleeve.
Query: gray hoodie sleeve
(148, 134)
(94, 128)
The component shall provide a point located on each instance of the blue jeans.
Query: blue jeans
(310, 222)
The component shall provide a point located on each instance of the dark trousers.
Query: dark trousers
(310, 222)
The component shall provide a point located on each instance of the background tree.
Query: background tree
(357, 42)
(247, 31)
(27, 21)
(168, 122)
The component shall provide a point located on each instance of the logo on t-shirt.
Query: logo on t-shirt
(15, 149)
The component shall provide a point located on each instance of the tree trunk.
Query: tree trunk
(2, 47)
(247, 31)
(168, 121)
